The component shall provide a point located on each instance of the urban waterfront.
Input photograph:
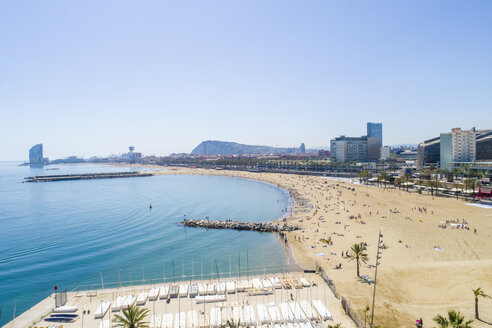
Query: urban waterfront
(89, 233)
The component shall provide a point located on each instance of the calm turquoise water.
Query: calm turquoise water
(72, 233)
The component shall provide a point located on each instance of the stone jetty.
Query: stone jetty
(86, 176)
(237, 225)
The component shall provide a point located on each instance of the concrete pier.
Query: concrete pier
(237, 225)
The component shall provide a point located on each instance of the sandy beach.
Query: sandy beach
(425, 269)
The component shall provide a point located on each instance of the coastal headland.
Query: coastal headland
(435, 249)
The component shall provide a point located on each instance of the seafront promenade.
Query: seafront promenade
(284, 300)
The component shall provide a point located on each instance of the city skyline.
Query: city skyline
(90, 79)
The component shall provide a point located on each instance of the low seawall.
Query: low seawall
(237, 225)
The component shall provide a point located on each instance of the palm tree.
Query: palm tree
(357, 253)
(232, 324)
(478, 293)
(366, 309)
(337, 325)
(132, 317)
(454, 320)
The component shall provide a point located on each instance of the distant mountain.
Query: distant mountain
(214, 147)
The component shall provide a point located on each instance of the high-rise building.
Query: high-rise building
(303, 148)
(36, 154)
(429, 153)
(385, 152)
(457, 146)
(375, 130)
(373, 149)
(484, 147)
(349, 149)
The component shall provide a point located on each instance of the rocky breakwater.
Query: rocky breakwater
(237, 225)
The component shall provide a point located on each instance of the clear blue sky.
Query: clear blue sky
(93, 77)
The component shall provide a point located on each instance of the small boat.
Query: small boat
(193, 290)
(173, 291)
(164, 292)
(210, 298)
(267, 283)
(154, 294)
(276, 282)
(221, 288)
(142, 298)
(231, 287)
(260, 291)
(118, 303)
(304, 282)
(102, 309)
(62, 317)
(297, 283)
(183, 290)
(285, 283)
(211, 289)
(202, 289)
(130, 301)
(66, 309)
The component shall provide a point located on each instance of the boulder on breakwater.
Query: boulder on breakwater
(237, 225)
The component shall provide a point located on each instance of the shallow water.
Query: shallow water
(89, 232)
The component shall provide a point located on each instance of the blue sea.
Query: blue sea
(83, 234)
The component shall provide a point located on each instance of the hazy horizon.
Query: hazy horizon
(92, 78)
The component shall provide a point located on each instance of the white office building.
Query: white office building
(457, 146)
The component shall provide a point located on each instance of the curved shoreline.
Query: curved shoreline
(345, 212)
